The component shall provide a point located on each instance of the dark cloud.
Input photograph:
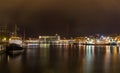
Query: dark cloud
(66, 17)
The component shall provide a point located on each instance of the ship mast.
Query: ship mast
(24, 35)
(15, 31)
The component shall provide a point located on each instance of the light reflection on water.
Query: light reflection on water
(63, 59)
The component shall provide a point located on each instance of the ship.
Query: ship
(15, 40)
(15, 43)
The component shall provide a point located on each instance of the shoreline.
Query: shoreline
(2, 48)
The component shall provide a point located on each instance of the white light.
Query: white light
(39, 37)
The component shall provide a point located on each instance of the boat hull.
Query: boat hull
(14, 48)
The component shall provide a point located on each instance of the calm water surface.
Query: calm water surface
(63, 59)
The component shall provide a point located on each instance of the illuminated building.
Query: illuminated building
(49, 39)
(3, 33)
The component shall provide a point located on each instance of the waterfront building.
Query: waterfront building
(3, 30)
(49, 39)
(3, 33)
(31, 42)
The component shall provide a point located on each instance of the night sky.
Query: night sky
(68, 18)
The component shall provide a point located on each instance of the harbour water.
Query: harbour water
(63, 59)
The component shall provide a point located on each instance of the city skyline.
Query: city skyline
(67, 18)
(21, 32)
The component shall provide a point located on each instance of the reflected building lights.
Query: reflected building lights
(90, 49)
(119, 49)
(89, 58)
(8, 58)
(115, 59)
(107, 49)
(115, 53)
(107, 59)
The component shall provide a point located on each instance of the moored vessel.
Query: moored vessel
(15, 43)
